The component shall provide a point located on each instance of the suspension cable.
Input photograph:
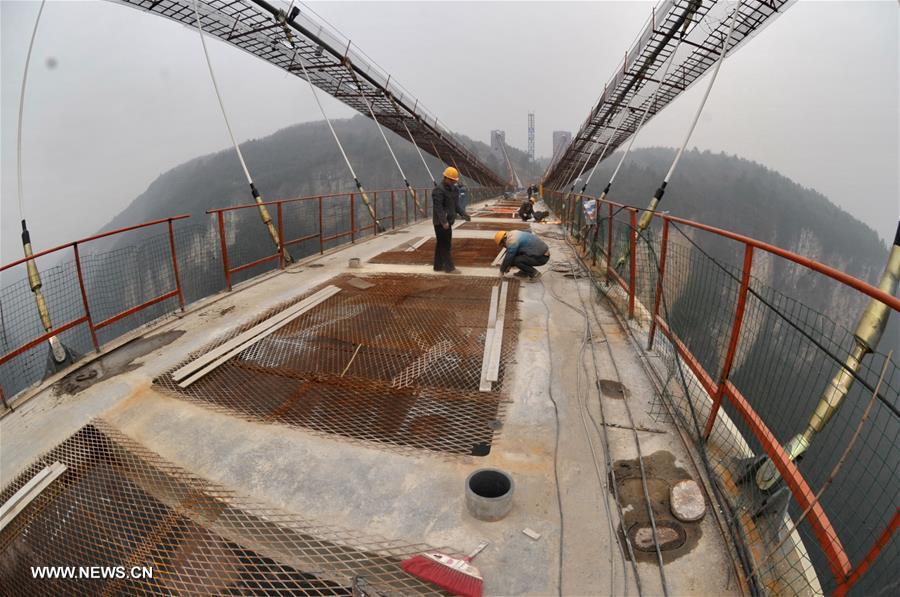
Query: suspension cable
(359, 185)
(650, 102)
(383, 136)
(21, 202)
(657, 197)
(263, 211)
(603, 153)
(411, 138)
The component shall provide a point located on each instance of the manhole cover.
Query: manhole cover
(669, 533)
(613, 389)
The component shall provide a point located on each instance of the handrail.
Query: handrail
(833, 273)
(90, 238)
(716, 384)
(87, 318)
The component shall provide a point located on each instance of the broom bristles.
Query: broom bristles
(443, 575)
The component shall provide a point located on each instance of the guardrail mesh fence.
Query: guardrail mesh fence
(786, 355)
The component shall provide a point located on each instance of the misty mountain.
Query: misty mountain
(717, 189)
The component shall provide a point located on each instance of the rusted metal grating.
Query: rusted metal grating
(398, 364)
(119, 504)
(495, 226)
(495, 214)
(472, 252)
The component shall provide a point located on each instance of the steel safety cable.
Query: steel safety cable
(412, 139)
(58, 351)
(650, 102)
(337, 140)
(20, 190)
(657, 197)
(362, 95)
(263, 211)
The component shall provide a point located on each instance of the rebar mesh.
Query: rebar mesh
(397, 364)
(495, 226)
(119, 504)
(467, 252)
(787, 353)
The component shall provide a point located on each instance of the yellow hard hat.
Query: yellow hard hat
(498, 238)
(451, 173)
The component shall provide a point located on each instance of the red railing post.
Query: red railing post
(321, 229)
(352, 221)
(609, 243)
(406, 206)
(175, 266)
(659, 281)
(375, 211)
(879, 545)
(733, 341)
(632, 282)
(280, 236)
(84, 299)
(393, 215)
(224, 246)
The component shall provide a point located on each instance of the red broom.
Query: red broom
(455, 575)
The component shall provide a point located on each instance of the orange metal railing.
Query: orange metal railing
(717, 384)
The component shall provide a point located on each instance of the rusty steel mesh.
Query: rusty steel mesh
(468, 252)
(495, 226)
(119, 504)
(398, 364)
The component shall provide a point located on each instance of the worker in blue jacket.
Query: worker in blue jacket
(524, 250)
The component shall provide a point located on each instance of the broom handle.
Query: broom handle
(477, 550)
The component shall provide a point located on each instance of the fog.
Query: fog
(116, 96)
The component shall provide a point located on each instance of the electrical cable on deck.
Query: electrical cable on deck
(383, 136)
(263, 211)
(359, 186)
(657, 197)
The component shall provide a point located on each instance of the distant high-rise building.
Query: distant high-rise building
(561, 140)
(531, 136)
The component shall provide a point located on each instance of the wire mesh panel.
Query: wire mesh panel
(398, 363)
(120, 505)
(467, 252)
(786, 357)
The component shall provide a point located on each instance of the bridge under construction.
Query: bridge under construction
(324, 415)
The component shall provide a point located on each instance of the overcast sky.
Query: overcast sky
(116, 96)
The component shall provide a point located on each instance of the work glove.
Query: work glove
(467, 218)
(446, 226)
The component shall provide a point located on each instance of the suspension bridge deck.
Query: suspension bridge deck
(369, 461)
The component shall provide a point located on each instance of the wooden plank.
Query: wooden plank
(237, 349)
(485, 384)
(418, 243)
(499, 258)
(22, 498)
(493, 372)
(251, 333)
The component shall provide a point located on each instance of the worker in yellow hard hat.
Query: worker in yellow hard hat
(524, 250)
(445, 207)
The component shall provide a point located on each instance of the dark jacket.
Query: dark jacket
(445, 205)
(527, 209)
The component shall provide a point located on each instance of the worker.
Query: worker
(526, 211)
(530, 191)
(445, 201)
(524, 250)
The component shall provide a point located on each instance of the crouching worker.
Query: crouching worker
(524, 250)
(526, 211)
